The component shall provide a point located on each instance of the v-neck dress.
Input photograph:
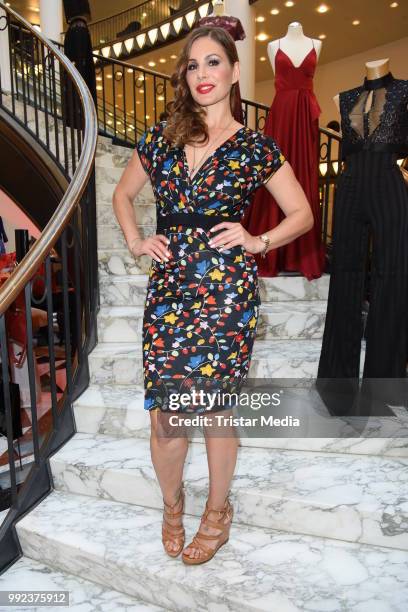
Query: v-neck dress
(202, 305)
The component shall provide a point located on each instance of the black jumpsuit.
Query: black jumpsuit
(371, 202)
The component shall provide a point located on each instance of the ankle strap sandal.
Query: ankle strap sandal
(223, 524)
(174, 534)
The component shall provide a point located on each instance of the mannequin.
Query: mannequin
(78, 48)
(295, 44)
(293, 122)
(371, 209)
(219, 8)
(374, 70)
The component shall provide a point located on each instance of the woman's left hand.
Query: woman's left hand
(234, 234)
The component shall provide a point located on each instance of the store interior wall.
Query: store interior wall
(343, 74)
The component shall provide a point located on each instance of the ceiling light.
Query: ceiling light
(129, 44)
(262, 36)
(151, 64)
(322, 36)
(129, 70)
(203, 9)
(275, 12)
(177, 23)
(99, 78)
(262, 59)
(173, 56)
(289, 3)
(356, 22)
(394, 4)
(165, 30)
(117, 48)
(102, 41)
(99, 87)
(108, 76)
(152, 34)
(162, 60)
(141, 39)
(260, 19)
(190, 17)
(322, 8)
(147, 116)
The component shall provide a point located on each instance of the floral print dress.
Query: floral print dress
(202, 305)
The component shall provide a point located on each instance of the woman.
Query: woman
(202, 299)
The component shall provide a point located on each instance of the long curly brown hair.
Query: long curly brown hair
(186, 119)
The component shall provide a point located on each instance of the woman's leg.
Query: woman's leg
(222, 443)
(168, 457)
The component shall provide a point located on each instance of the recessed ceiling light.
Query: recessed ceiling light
(130, 70)
(322, 8)
(152, 64)
(173, 56)
(322, 36)
(99, 78)
(162, 60)
(275, 12)
(108, 76)
(289, 3)
(262, 36)
(260, 19)
(262, 59)
(394, 4)
(99, 87)
(356, 22)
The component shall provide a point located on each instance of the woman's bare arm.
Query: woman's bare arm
(130, 184)
(290, 197)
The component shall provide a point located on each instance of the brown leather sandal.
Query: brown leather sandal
(207, 553)
(173, 533)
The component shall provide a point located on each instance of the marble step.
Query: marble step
(119, 363)
(130, 289)
(119, 411)
(84, 595)
(283, 320)
(345, 497)
(111, 236)
(108, 224)
(104, 196)
(119, 546)
(109, 155)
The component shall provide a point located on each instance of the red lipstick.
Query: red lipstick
(204, 88)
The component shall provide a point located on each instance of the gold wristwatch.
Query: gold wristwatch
(266, 240)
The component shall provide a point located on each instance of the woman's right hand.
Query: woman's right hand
(155, 246)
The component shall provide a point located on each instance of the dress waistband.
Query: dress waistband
(193, 220)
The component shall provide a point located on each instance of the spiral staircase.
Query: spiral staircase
(320, 523)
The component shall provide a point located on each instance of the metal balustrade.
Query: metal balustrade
(44, 99)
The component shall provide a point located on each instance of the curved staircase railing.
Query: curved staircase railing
(151, 23)
(57, 277)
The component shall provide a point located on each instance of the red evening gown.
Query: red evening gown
(293, 122)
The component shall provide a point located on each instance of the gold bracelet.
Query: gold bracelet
(266, 240)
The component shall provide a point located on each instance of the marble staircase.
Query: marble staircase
(321, 524)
